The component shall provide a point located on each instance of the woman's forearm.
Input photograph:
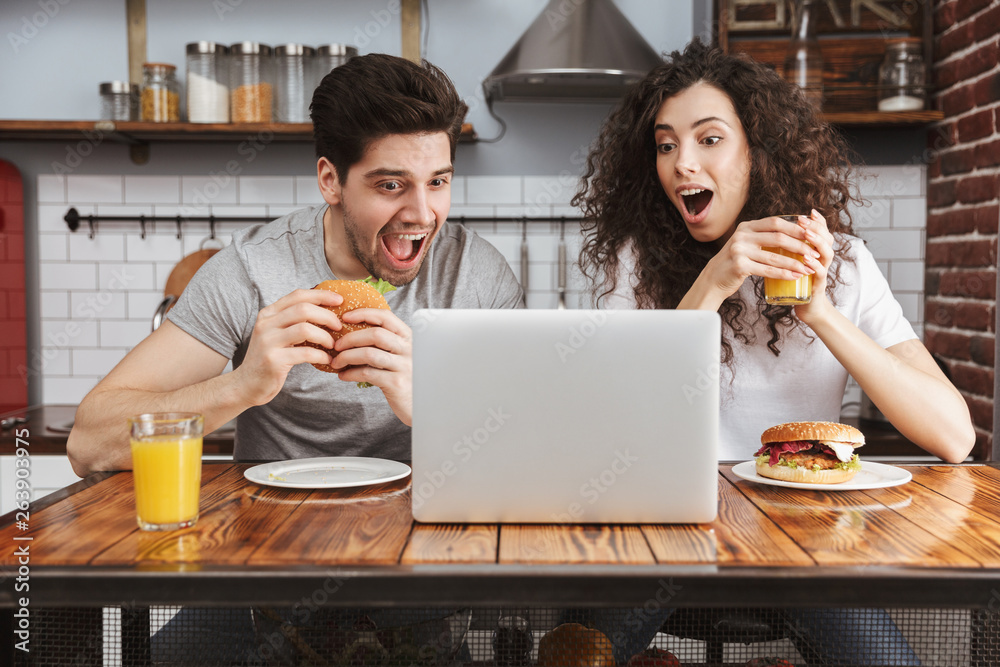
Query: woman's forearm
(906, 385)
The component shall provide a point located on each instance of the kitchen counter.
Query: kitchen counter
(49, 426)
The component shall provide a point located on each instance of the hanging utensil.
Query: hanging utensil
(561, 277)
(524, 255)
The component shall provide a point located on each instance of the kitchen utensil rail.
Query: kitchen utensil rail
(73, 218)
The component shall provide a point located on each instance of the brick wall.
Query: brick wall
(963, 200)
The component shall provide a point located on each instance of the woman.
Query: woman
(683, 188)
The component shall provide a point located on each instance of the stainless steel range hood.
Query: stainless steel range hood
(582, 50)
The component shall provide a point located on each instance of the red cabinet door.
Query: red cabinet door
(14, 369)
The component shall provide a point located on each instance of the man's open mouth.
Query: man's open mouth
(404, 248)
(695, 200)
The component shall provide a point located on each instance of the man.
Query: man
(385, 133)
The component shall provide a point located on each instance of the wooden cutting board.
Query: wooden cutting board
(185, 270)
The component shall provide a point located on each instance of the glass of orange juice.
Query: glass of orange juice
(166, 467)
(788, 292)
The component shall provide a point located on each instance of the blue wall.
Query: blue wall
(57, 51)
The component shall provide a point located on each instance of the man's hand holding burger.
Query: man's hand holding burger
(340, 326)
(372, 347)
(380, 355)
(277, 341)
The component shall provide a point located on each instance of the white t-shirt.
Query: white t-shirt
(805, 382)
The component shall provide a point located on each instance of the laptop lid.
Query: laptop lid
(565, 416)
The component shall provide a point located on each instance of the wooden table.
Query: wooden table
(932, 542)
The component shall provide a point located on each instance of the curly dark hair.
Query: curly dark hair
(795, 157)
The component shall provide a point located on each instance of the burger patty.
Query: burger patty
(811, 459)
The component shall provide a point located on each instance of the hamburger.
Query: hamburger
(809, 452)
(366, 293)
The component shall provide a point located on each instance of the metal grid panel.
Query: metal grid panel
(296, 636)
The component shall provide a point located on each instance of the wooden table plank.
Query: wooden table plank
(741, 535)
(79, 528)
(358, 526)
(548, 543)
(234, 515)
(451, 543)
(949, 519)
(848, 528)
(977, 487)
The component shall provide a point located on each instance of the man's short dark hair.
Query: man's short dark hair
(373, 96)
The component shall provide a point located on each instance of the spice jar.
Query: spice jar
(292, 82)
(161, 98)
(902, 76)
(328, 57)
(119, 100)
(250, 83)
(207, 88)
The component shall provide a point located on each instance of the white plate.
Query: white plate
(871, 476)
(328, 472)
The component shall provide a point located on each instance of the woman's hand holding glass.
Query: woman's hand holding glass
(744, 253)
(820, 241)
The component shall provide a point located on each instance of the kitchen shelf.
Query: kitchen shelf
(882, 119)
(142, 133)
(136, 132)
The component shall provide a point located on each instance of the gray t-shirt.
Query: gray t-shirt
(316, 413)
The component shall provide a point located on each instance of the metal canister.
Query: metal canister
(293, 82)
(119, 100)
(251, 83)
(207, 83)
(327, 57)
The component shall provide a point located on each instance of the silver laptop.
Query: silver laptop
(565, 416)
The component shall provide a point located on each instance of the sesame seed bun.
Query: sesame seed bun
(357, 294)
(830, 431)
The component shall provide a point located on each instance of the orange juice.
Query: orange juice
(167, 473)
(788, 292)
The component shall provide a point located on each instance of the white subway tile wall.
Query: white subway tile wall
(98, 295)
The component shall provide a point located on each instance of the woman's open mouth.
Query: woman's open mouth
(403, 250)
(695, 203)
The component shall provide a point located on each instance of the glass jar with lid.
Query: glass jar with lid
(207, 87)
(902, 77)
(161, 97)
(329, 56)
(119, 100)
(251, 83)
(292, 82)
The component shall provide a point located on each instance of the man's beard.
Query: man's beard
(370, 262)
